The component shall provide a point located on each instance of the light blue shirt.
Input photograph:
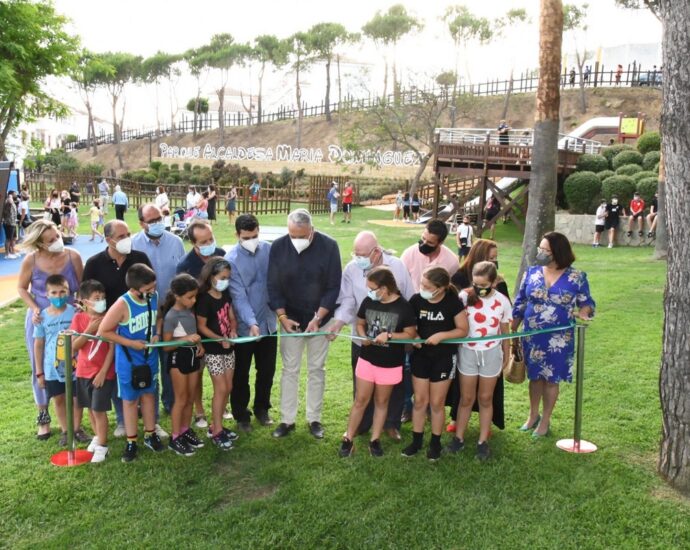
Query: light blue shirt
(164, 253)
(48, 329)
(119, 197)
(249, 290)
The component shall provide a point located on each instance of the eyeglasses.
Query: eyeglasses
(545, 250)
(355, 255)
(157, 220)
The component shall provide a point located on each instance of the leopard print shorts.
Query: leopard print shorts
(219, 364)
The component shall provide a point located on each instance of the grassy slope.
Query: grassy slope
(296, 492)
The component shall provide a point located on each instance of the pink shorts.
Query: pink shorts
(383, 376)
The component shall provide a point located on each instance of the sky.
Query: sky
(143, 27)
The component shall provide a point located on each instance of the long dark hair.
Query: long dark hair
(440, 278)
(179, 286)
(382, 276)
(214, 266)
(478, 253)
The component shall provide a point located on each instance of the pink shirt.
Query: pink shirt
(416, 262)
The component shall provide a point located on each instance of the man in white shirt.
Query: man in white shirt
(193, 198)
(463, 237)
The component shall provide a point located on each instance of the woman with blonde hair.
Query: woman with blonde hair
(47, 256)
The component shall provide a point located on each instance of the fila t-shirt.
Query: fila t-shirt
(485, 318)
(433, 318)
(380, 317)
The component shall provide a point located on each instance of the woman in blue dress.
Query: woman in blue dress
(552, 294)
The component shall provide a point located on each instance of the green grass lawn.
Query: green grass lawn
(296, 492)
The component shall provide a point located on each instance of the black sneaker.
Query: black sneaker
(222, 442)
(640, 233)
(130, 451)
(483, 451)
(180, 447)
(232, 436)
(433, 453)
(263, 417)
(649, 235)
(410, 450)
(154, 443)
(347, 447)
(191, 439)
(81, 436)
(455, 446)
(375, 448)
(629, 233)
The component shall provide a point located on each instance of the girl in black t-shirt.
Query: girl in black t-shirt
(439, 313)
(215, 319)
(383, 316)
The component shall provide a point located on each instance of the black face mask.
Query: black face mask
(481, 291)
(425, 248)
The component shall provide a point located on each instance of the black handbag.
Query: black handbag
(141, 374)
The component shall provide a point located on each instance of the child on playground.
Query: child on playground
(95, 365)
(599, 223)
(489, 313)
(50, 371)
(131, 324)
(215, 319)
(183, 364)
(72, 220)
(96, 217)
(440, 316)
(383, 316)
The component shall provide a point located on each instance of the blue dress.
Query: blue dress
(550, 356)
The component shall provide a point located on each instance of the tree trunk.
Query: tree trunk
(423, 161)
(674, 381)
(92, 129)
(158, 117)
(298, 96)
(221, 120)
(506, 101)
(9, 123)
(541, 212)
(328, 90)
(196, 112)
(116, 131)
(580, 68)
(259, 106)
(385, 78)
(661, 241)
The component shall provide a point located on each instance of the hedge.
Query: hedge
(605, 174)
(646, 188)
(626, 157)
(649, 141)
(612, 150)
(639, 176)
(629, 170)
(622, 187)
(592, 163)
(580, 188)
(651, 159)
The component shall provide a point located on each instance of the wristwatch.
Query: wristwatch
(390, 335)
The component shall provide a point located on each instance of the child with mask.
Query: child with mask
(599, 223)
(614, 211)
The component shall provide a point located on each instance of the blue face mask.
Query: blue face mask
(372, 294)
(156, 229)
(208, 249)
(58, 301)
(363, 262)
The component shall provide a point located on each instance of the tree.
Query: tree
(154, 70)
(34, 46)
(387, 29)
(197, 105)
(674, 383)
(515, 23)
(574, 20)
(541, 210)
(197, 67)
(464, 28)
(300, 50)
(652, 5)
(86, 75)
(325, 37)
(268, 50)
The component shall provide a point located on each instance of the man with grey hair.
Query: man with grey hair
(303, 283)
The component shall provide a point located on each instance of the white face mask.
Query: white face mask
(56, 246)
(300, 244)
(124, 246)
(362, 262)
(426, 294)
(373, 295)
(221, 284)
(99, 306)
(250, 244)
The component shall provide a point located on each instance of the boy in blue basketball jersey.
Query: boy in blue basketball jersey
(131, 324)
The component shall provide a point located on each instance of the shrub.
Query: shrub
(646, 188)
(605, 174)
(651, 159)
(592, 163)
(93, 169)
(195, 169)
(579, 189)
(656, 168)
(629, 170)
(626, 157)
(68, 165)
(187, 166)
(639, 176)
(155, 165)
(622, 187)
(612, 150)
(174, 167)
(649, 141)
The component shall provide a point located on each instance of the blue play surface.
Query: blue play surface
(85, 247)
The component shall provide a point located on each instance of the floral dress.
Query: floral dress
(550, 356)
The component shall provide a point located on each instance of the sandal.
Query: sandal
(526, 428)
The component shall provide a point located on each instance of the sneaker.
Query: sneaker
(410, 450)
(483, 451)
(99, 454)
(153, 442)
(81, 436)
(232, 436)
(179, 446)
(200, 421)
(222, 442)
(649, 235)
(433, 453)
(191, 439)
(375, 448)
(610, 245)
(245, 426)
(160, 432)
(63, 439)
(120, 431)
(263, 417)
(347, 447)
(130, 452)
(227, 415)
(92, 446)
(629, 234)
(640, 233)
(455, 446)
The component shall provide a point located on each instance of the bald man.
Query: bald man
(367, 254)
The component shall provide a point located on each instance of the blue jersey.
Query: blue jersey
(135, 328)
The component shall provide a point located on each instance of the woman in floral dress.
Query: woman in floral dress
(552, 294)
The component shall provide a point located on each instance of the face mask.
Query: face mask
(481, 291)
(221, 284)
(156, 229)
(372, 294)
(300, 244)
(614, 201)
(99, 306)
(146, 295)
(124, 246)
(363, 262)
(207, 249)
(542, 258)
(250, 245)
(427, 294)
(58, 301)
(56, 246)
(425, 248)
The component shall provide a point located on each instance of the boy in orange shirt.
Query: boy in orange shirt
(636, 213)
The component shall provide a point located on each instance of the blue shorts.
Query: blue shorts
(126, 391)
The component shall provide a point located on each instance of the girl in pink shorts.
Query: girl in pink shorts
(383, 316)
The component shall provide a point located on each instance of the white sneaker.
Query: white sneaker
(160, 432)
(99, 454)
(92, 446)
(200, 422)
(11, 256)
(120, 431)
(610, 245)
(227, 415)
